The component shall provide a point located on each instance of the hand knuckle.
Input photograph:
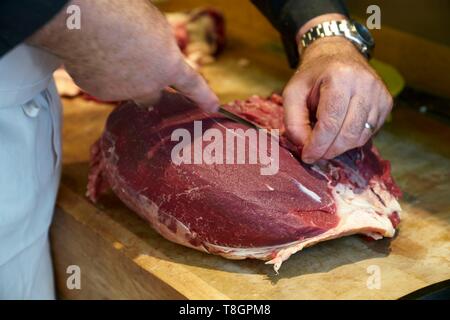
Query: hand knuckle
(329, 125)
(349, 140)
(367, 76)
(390, 101)
(354, 130)
(342, 68)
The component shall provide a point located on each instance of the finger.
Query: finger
(373, 119)
(148, 100)
(353, 132)
(191, 83)
(386, 106)
(375, 114)
(331, 112)
(376, 117)
(296, 113)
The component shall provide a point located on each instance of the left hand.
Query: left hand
(336, 84)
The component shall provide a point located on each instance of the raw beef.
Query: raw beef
(231, 209)
(200, 34)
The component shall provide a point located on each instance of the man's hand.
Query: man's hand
(335, 84)
(124, 50)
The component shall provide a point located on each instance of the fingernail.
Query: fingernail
(214, 108)
(307, 160)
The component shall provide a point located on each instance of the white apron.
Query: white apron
(30, 161)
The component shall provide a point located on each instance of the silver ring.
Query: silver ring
(369, 126)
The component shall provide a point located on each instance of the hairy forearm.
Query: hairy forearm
(103, 24)
(118, 42)
(123, 50)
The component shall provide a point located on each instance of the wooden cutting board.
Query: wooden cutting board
(120, 256)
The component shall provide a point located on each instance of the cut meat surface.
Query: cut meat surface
(231, 209)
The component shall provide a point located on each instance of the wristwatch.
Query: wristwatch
(354, 31)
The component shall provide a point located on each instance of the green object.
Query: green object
(393, 79)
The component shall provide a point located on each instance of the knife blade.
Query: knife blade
(233, 116)
(237, 118)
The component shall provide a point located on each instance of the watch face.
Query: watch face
(365, 34)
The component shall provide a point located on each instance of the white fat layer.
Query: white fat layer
(307, 191)
(359, 213)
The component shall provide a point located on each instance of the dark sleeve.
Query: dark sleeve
(19, 19)
(287, 16)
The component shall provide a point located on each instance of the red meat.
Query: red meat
(231, 209)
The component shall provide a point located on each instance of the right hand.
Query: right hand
(124, 50)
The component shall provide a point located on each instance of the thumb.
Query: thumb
(296, 112)
(193, 85)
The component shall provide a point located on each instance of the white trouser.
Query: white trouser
(30, 162)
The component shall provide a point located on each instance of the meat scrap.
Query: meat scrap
(200, 34)
(232, 210)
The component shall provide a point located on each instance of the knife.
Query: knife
(284, 143)
(232, 116)
(237, 118)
